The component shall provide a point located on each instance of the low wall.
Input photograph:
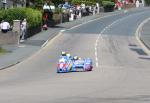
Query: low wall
(9, 38)
(33, 31)
(60, 18)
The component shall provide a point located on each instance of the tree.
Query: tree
(88, 2)
(147, 2)
(57, 2)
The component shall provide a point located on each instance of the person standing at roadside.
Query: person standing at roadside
(5, 26)
(23, 29)
(137, 3)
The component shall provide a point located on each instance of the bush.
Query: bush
(13, 14)
(147, 2)
(108, 6)
(33, 16)
(2, 50)
(76, 1)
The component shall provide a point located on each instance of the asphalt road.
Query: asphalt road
(121, 68)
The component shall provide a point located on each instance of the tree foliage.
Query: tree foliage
(57, 2)
(33, 16)
(147, 2)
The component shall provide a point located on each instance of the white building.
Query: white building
(11, 3)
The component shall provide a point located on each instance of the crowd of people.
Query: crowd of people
(120, 3)
(80, 10)
(73, 11)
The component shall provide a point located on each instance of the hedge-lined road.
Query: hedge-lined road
(120, 74)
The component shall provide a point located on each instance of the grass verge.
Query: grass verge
(2, 51)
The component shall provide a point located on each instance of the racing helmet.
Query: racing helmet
(68, 55)
(75, 57)
(61, 60)
(63, 53)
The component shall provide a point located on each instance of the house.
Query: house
(12, 3)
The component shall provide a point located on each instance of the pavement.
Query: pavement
(17, 53)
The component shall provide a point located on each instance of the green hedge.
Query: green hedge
(108, 3)
(147, 2)
(2, 51)
(108, 6)
(33, 16)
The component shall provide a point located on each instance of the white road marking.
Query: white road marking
(97, 64)
(96, 45)
(96, 53)
(62, 30)
(138, 34)
(45, 43)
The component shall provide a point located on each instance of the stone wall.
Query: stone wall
(9, 38)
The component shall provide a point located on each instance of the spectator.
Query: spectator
(23, 29)
(126, 1)
(52, 6)
(137, 3)
(83, 6)
(46, 7)
(5, 26)
(66, 5)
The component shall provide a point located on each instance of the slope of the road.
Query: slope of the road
(122, 75)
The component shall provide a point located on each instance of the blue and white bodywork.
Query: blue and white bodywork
(82, 65)
(66, 64)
